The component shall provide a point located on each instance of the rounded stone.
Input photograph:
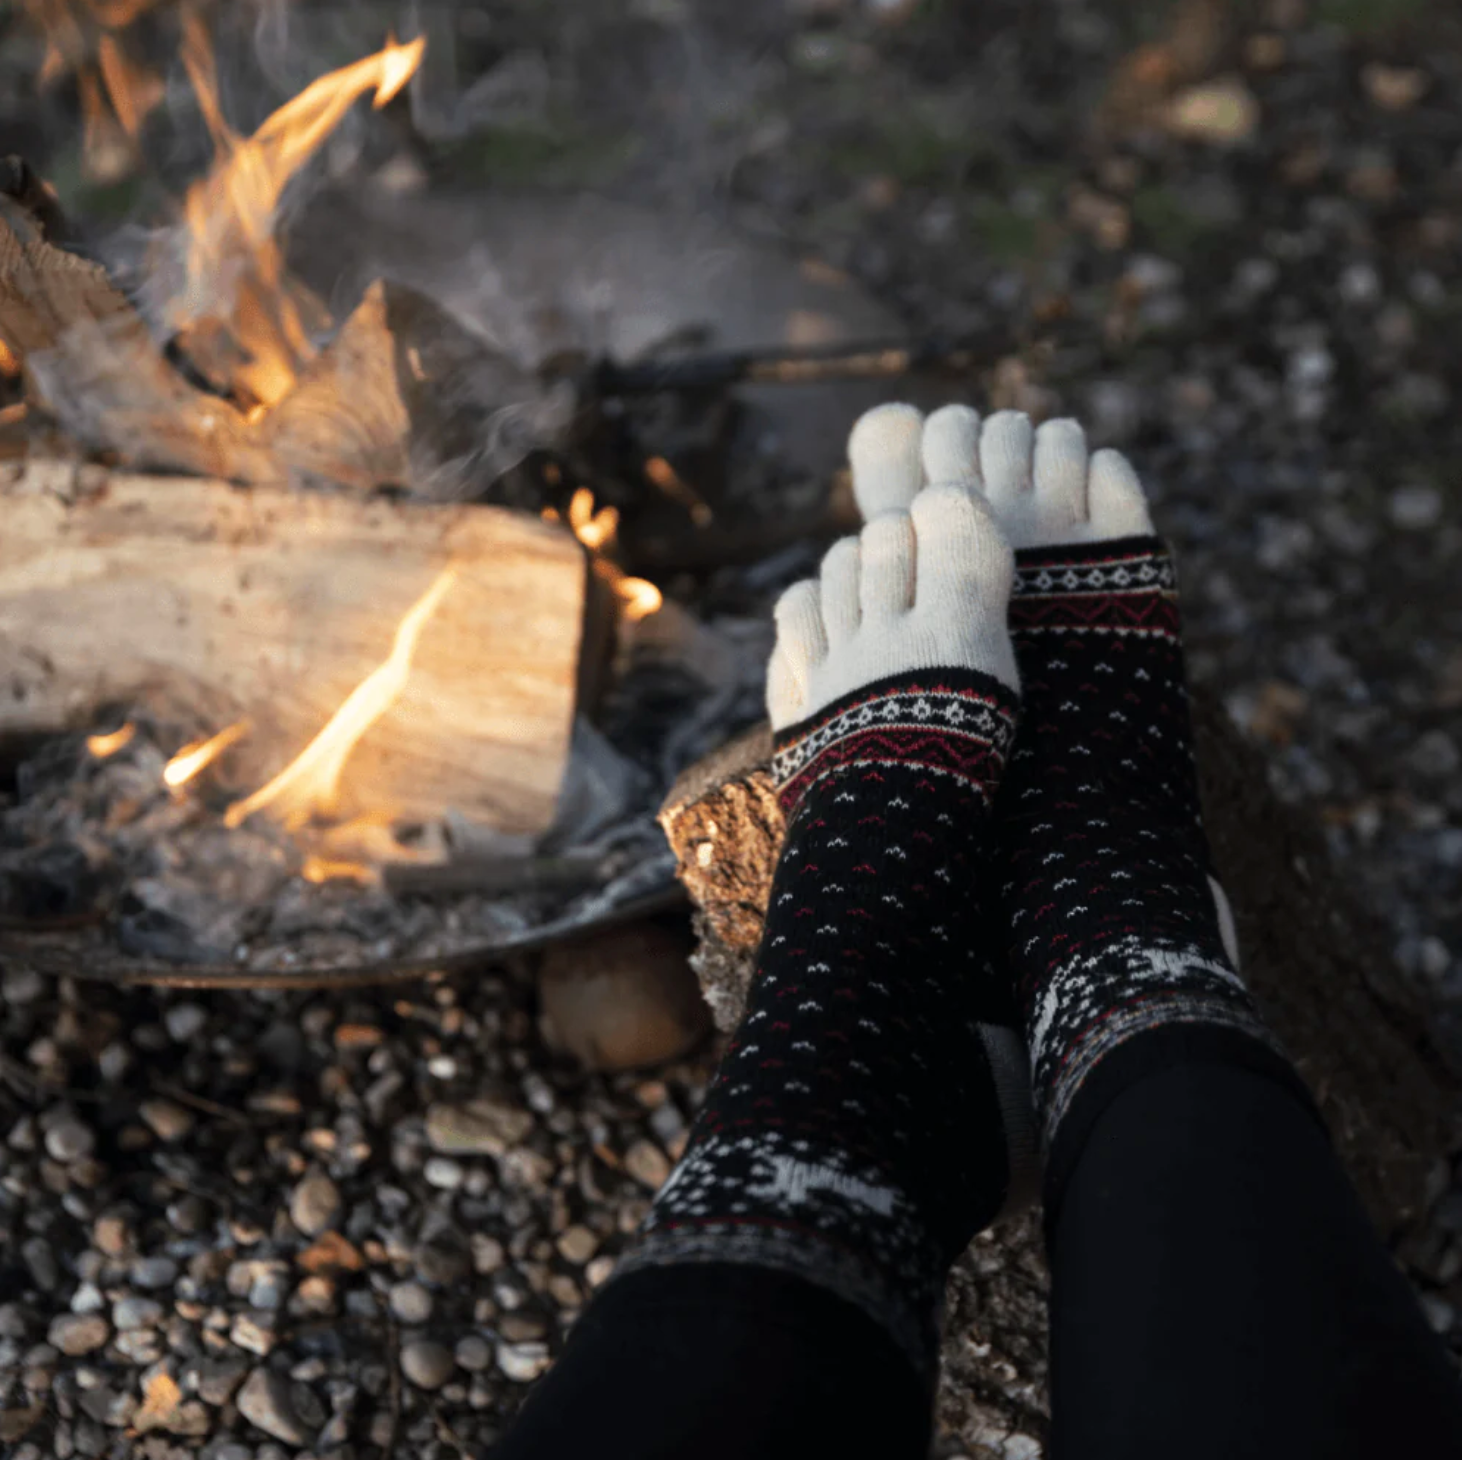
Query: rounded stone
(426, 1364)
(78, 1333)
(69, 1140)
(410, 1303)
(314, 1204)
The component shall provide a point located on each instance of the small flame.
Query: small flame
(638, 598)
(328, 869)
(310, 783)
(9, 361)
(199, 754)
(234, 265)
(116, 94)
(102, 746)
(596, 530)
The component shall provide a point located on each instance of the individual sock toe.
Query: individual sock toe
(964, 560)
(801, 639)
(1060, 476)
(887, 579)
(1005, 460)
(1116, 504)
(883, 450)
(787, 701)
(841, 612)
(964, 580)
(951, 447)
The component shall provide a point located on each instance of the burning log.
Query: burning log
(212, 605)
(1320, 975)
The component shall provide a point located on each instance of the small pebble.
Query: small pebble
(167, 1120)
(474, 1353)
(78, 1333)
(647, 1163)
(267, 1401)
(577, 1245)
(69, 1140)
(185, 1021)
(443, 1173)
(154, 1272)
(133, 1312)
(522, 1362)
(410, 1303)
(314, 1204)
(426, 1364)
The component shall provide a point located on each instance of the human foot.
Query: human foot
(872, 1108)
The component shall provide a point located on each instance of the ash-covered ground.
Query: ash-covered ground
(1227, 236)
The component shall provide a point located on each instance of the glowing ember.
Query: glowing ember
(669, 481)
(638, 598)
(310, 783)
(233, 265)
(199, 754)
(101, 746)
(9, 363)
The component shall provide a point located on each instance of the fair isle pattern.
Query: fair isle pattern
(819, 1191)
(945, 730)
(1098, 1000)
(855, 1131)
(1112, 932)
(1128, 588)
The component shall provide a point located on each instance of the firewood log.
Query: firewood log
(1318, 970)
(212, 603)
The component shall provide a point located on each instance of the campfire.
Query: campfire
(267, 704)
(336, 622)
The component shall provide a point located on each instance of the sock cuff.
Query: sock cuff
(908, 1313)
(1152, 1050)
(953, 724)
(1126, 587)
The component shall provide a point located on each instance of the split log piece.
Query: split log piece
(273, 606)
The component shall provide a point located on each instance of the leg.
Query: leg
(1217, 1290)
(870, 1114)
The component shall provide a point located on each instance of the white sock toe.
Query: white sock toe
(883, 450)
(965, 571)
(786, 694)
(1005, 462)
(1060, 477)
(841, 611)
(888, 562)
(1116, 504)
(801, 639)
(951, 447)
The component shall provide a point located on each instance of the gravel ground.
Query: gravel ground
(246, 1227)
(264, 1225)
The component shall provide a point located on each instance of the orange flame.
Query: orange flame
(595, 529)
(116, 94)
(101, 746)
(233, 265)
(310, 783)
(197, 755)
(327, 869)
(638, 598)
(9, 360)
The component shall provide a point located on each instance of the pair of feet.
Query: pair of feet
(993, 910)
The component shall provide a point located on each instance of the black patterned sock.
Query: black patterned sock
(856, 1133)
(1114, 934)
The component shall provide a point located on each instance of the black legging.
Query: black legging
(1216, 1292)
